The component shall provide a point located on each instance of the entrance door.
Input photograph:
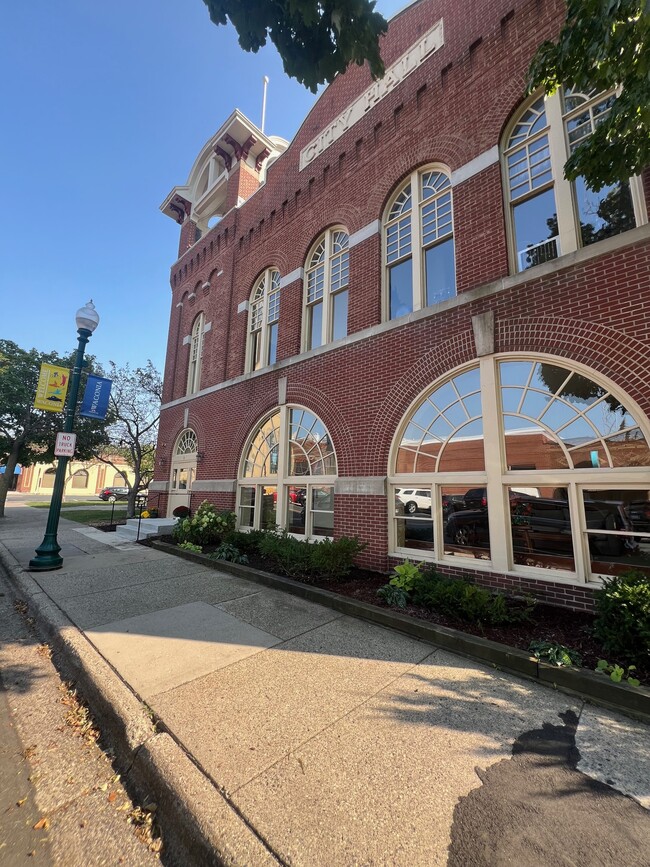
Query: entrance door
(183, 472)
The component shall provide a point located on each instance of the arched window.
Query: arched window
(47, 479)
(263, 321)
(119, 480)
(550, 216)
(187, 443)
(419, 254)
(80, 479)
(327, 274)
(287, 475)
(530, 463)
(196, 355)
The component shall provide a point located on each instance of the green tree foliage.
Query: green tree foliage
(134, 412)
(27, 435)
(316, 39)
(604, 44)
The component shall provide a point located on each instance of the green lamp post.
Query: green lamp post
(47, 553)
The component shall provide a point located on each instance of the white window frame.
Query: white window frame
(196, 355)
(334, 279)
(568, 238)
(281, 481)
(264, 314)
(497, 479)
(417, 248)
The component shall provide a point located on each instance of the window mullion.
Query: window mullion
(566, 218)
(417, 258)
(326, 335)
(283, 465)
(498, 513)
(580, 541)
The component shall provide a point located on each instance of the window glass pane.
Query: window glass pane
(536, 230)
(629, 449)
(256, 350)
(465, 521)
(464, 451)
(514, 372)
(440, 271)
(247, 507)
(269, 507)
(273, 342)
(340, 315)
(468, 383)
(315, 314)
(298, 460)
(603, 214)
(182, 479)
(541, 528)
(296, 500)
(322, 508)
(623, 519)
(529, 445)
(400, 288)
(413, 528)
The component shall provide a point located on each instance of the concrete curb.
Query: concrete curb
(596, 688)
(200, 827)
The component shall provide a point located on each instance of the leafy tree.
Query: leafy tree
(134, 412)
(604, 44)
(316, 39)
(27, 435)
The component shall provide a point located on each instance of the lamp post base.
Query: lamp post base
(47, 558)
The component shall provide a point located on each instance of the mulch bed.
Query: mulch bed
(547, 623)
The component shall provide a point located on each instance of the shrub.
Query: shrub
(556, 654)
(248, 543)
(181, 512)
(392, 595)
(205, 527)
(458, 597)
(335, 559)
(290, 556)
(190, 546)
(622, 621)
(299, 558)
(617, 672)
(227, 551)
(407, 576)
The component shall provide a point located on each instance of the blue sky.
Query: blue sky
(105, 106)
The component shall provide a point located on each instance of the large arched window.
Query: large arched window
(263, 320)
(327, 274)
(287, 475)
(548, 215)
(80, 479)
(196, 355)
(528, 463)
(419, 256)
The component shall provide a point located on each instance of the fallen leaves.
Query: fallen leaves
(78, 716)
(42, 824)
(21, 802)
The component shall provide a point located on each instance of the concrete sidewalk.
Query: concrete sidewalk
(321, 739)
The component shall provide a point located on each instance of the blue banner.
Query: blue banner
(95, 402)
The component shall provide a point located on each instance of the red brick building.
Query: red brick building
(406, 325)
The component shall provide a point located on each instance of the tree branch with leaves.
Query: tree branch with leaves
(316, 39)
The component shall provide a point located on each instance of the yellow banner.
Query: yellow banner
(52, 388)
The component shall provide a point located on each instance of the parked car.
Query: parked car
(541, 523)
(639, 515)
(414, 500)
(113, 494)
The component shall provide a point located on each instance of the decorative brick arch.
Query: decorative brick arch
(617, 355)
(445, 357)
(312, 399)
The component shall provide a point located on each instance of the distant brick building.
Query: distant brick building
(406, 325)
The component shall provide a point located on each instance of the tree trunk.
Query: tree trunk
(7, 477)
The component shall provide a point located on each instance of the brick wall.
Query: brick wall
(450, 110)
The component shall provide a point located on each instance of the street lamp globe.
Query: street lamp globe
(87, 317)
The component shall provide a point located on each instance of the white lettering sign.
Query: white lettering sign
(417, 54)
(65, 445)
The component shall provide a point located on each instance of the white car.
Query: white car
(414, 500)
